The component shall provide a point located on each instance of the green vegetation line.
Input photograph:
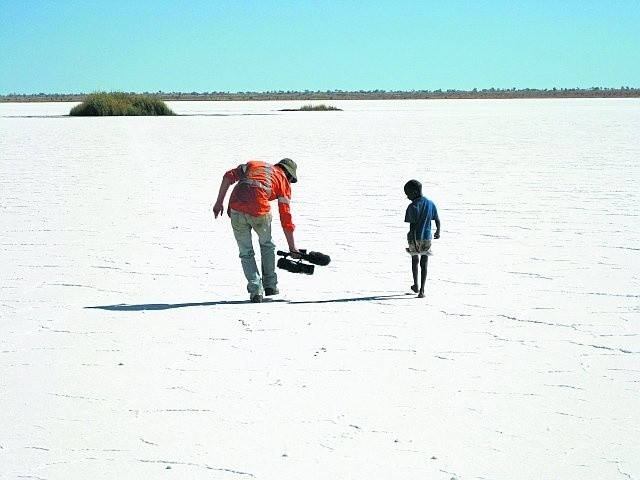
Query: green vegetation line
(490, 93)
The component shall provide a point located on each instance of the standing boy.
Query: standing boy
(419, 215)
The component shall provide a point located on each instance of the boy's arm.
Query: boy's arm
(437, 234)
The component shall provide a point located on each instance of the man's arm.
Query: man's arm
(287, 224)
(218, 208)
(288, 234)
(228, 179)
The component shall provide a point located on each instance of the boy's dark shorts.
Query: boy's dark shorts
(420, 247)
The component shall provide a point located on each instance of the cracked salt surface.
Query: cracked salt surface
(128, 350)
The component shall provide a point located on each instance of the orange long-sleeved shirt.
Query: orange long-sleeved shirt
(259, 183)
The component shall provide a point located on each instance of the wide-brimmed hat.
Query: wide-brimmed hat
(291, 168)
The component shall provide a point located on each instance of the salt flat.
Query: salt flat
(128, 349)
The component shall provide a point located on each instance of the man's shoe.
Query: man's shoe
(271, 291)
(256, 298)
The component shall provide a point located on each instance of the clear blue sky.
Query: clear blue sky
(72, 46)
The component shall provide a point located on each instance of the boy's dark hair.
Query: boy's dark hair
(413, 189)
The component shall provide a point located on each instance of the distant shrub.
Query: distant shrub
(312, 108)
(103, 104)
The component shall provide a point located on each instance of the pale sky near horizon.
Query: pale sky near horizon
(80, 46)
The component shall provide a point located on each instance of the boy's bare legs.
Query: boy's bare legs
(424, 259)
(414, 271)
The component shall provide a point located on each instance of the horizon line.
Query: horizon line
(487, 93)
